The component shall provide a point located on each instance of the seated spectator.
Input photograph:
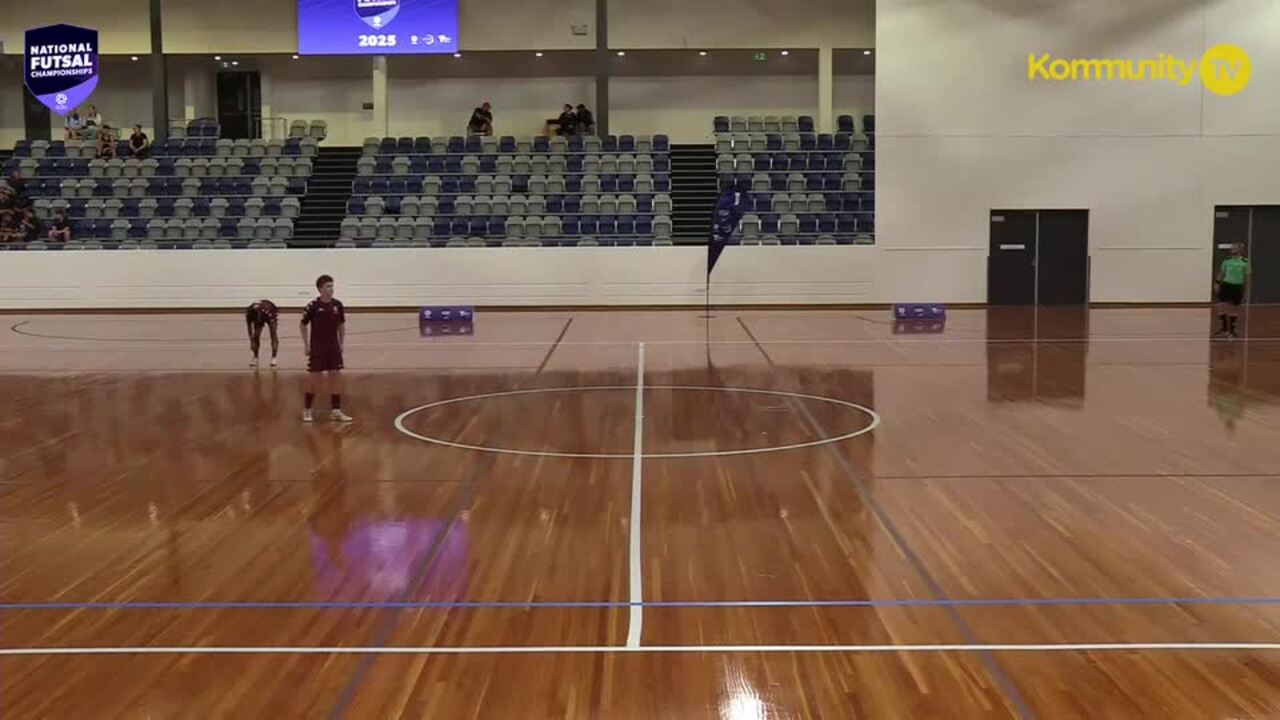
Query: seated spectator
(567, 122)
(60, 231)
(481, 122)
(93, 118)
(29, 227)
(17, 186)
(139, 143)
(71, 126)
(6, 198)
(106, 143)
(586, 121)
(10, 226)
(22, 202)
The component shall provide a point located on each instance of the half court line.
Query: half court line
(635, 625)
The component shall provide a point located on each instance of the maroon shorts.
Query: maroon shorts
(324, 359)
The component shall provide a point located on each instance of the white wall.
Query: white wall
(269, 26)
(479, 276)
(962, 131)
(684, 107)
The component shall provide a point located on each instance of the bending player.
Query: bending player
(260, 314)
(327, 319)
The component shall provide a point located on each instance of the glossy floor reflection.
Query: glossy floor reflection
(1066, 513)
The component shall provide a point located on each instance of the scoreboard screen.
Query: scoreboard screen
(377, 27)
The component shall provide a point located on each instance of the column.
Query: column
(272, 127)
(189, 94)
(159, 77)
(826, 91)
(380, 115)
(602, 67)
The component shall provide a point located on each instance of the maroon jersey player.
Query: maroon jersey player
(323, 330)
(260, 314)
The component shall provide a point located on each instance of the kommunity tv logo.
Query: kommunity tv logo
(1224, 69)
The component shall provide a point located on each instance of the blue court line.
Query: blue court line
(538, 605)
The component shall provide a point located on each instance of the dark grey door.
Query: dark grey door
(1264, 255)
(1062, 257)
(1038, 257)
(1011, 261)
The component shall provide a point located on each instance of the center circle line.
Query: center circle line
(400, 422)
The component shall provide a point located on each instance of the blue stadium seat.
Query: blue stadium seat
(541, 144)
(422, 146)
(610, 143)
(457, 145)
(721, 123)
(473, 145)
(576, 144)
(572, 204)
(449, 185)
(435, 165)
(844, 124)
(826, 142)
(627, 143)
(446, 206)
(569, 226)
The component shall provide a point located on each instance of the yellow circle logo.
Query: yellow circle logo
(1225, 69)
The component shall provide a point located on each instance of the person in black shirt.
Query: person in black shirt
(61, 230)
(139, 143)
(586, 121)
(481, 122)
(567, 121)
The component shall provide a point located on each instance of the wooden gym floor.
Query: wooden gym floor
(1075, 514)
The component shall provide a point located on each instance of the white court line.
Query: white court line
(610, 649)
(874, 422)
(636, 623)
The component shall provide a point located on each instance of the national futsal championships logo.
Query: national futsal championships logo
(1224, 69)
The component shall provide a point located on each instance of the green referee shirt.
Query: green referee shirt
(1234, 270)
